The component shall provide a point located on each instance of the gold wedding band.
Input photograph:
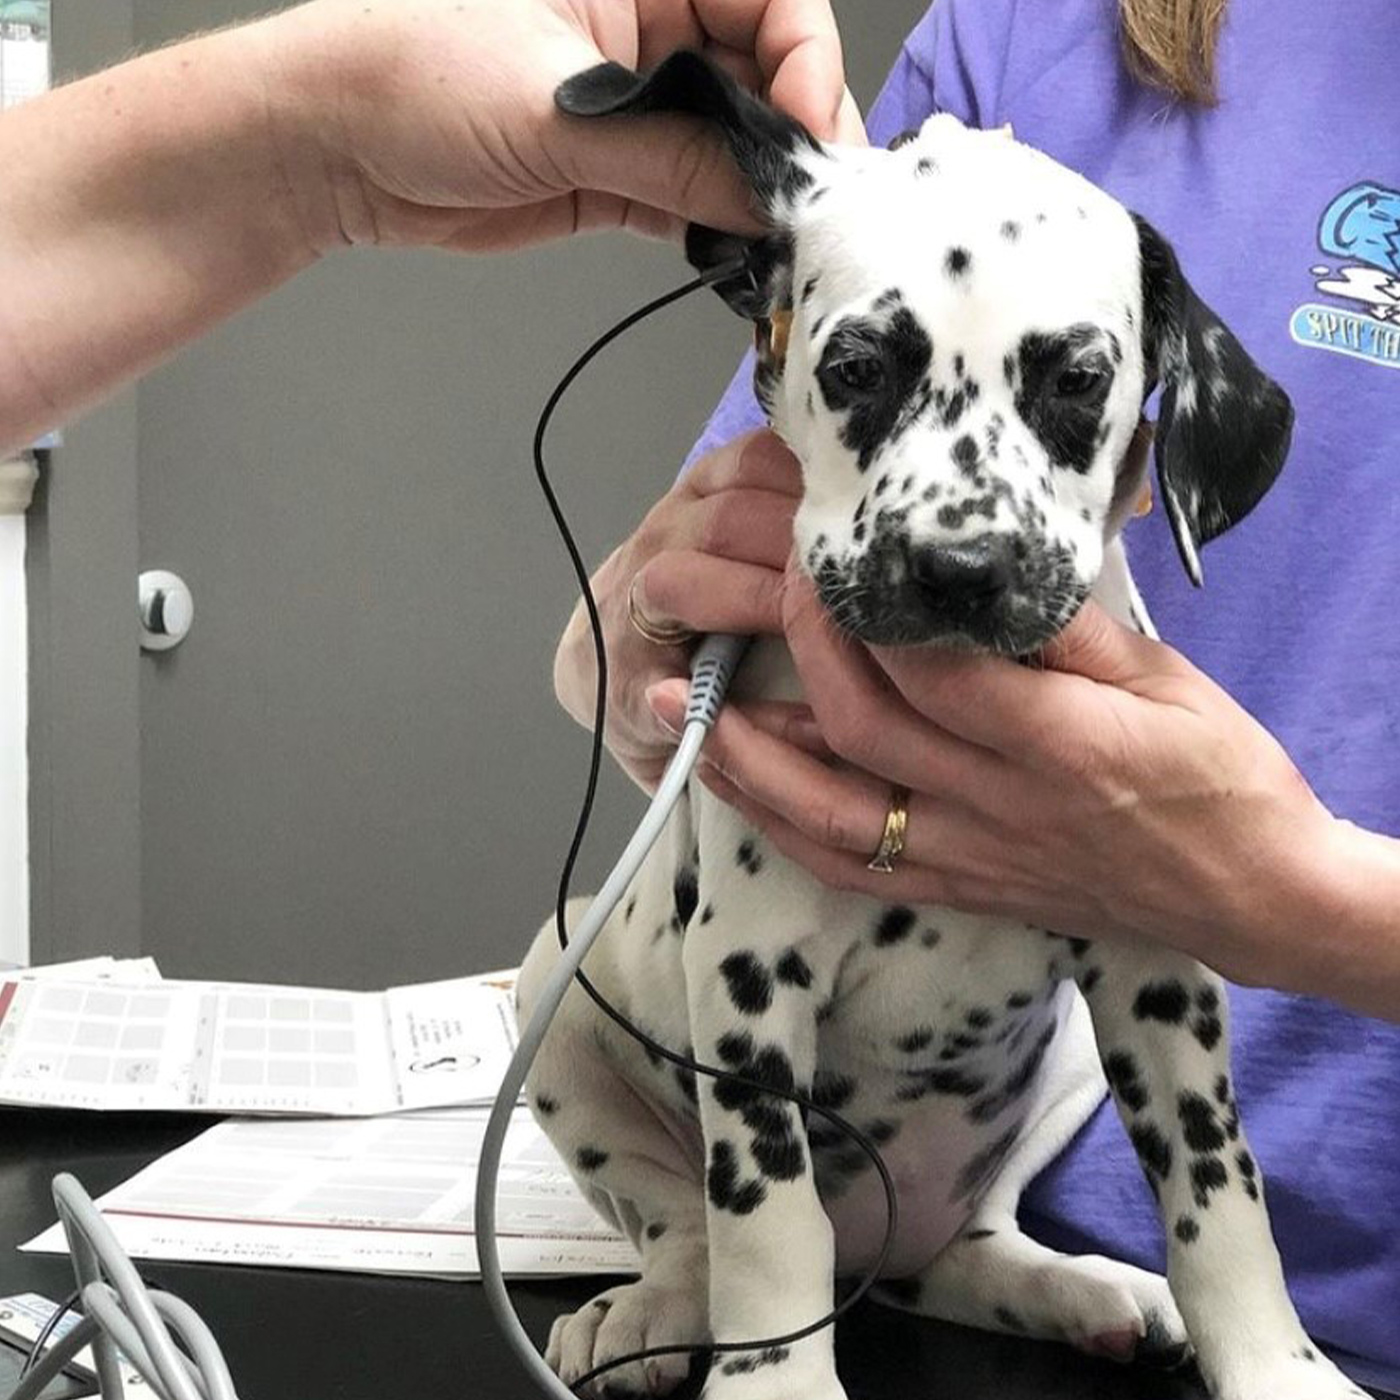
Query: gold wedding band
(675, 635)
(892, 839)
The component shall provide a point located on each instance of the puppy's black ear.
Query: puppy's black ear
(1224, 426)
(767, 145)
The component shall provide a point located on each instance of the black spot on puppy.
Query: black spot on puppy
(1166, 1001)
(957, 262)
(1207, 1174)
(754, 1361)
(1249, 1174)
(984, 1165)
(722, 1182)
(747, 856)
(1121, 1070)
(1187, 1231)
(546, 1106)
(1011, 230)
(966, 455)
(685, 892)
(1207, 1026)
(831, 1090)
(656, 1229)
(1199, 1124)
(590, 1159)
(894, 926)
(793, 971)
(750, 986)
(808, 287)
(1153, 1150)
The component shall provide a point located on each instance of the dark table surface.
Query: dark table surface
(299, 1335)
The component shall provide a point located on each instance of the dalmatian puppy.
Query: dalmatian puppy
(956, 337)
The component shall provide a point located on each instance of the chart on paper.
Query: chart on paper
(245, 1048)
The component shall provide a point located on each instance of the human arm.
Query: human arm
(1117, 792)
(143, 205)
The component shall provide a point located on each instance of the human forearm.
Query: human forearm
(1340, 922)
(139, 207)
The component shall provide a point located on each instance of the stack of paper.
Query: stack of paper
(392, 1193)
(107, 1037)
(382, 1195)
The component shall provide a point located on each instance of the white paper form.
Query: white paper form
(381, 1195)
(247, 1048)
(24, 50)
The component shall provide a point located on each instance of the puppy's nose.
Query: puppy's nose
(963, 579)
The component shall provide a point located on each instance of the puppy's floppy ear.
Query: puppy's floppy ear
(767, 145)
(1223, 426)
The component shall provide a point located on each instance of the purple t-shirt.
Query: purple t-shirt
(1284, 206)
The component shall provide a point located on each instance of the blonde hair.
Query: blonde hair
(1171, 44)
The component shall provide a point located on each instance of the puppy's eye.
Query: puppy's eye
(863, 374)
(1077, 382)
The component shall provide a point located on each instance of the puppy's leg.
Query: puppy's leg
(994, 1277)
(753, 997)
(1161, 1022)
(642, 1171)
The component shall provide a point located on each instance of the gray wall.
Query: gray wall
(354, 771)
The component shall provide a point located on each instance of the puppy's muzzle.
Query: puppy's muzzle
(961, 587)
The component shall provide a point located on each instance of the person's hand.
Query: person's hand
(433, 121)
(708, 557)
(1114, 791)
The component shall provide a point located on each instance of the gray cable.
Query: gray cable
(713, 668)
(148, 1328)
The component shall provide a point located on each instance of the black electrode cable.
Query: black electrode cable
(865, 1144)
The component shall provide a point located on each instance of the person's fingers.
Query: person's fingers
(675, 164)
(663, 26)
(745, 527)
(850, 125)
(1100, 648)
(741, 65)
(790, 721)
(686, 587)
(759, 459)
(840, 809)
(841, 870)
(522, 226)
(797, 47)
(991, 701)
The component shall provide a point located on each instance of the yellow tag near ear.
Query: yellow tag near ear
(1144, 503)
(779, 327)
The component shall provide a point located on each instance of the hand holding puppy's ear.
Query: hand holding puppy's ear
(435, 122)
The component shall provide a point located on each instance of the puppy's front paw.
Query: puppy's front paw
(628, 1318)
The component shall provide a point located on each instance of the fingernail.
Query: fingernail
(667, 706)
